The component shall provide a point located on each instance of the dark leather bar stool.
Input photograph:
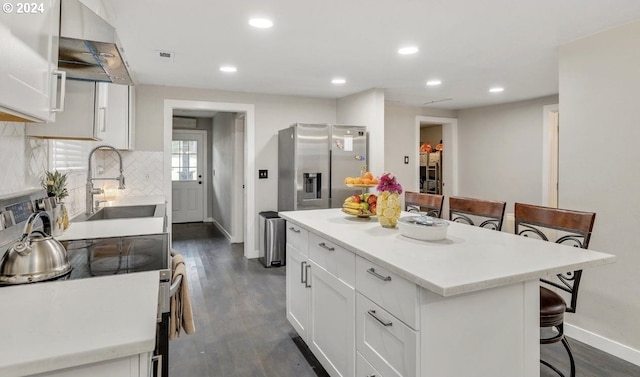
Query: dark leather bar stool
(488, 213)
(419, 202)
(560, 226)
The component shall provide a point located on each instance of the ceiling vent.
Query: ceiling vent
(166, 56)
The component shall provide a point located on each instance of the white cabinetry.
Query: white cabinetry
(28, 67)
(387, 317)
(332, 337)
(298, 293)
(132, 366)
(119, 126)
(93, 111)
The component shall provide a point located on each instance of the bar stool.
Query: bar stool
(488, 213)
(561, 226)
(419, 202)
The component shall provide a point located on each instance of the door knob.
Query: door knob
(199, 175)
(199, 182)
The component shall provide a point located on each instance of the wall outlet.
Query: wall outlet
(147, 177)
(263, 174)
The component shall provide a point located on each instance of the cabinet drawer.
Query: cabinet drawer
(390, 346)
(298, 238)
(364, 369)
(333, 258)
(395, 294)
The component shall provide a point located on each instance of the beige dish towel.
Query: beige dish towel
(181, 312)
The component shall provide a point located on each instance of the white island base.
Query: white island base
(368, 301)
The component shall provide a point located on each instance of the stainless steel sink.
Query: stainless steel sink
(123, 212)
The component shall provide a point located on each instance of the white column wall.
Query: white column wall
(599, 155)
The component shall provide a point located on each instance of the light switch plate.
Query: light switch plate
(263, 174)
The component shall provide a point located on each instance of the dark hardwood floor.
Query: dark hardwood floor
(241, 325)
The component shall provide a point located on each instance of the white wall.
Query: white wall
(599, 81)
(223, 143)
(366, 109)
(400, 140)
(500, 151)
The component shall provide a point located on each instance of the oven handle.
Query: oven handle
(175, 286)
(157, 359)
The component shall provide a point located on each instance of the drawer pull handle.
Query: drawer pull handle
(302, 272)
(294, 230)
(373, 272)
(383, 323)
(306, 278)
(324, 246)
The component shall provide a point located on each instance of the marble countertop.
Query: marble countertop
(469, 259)
(64, 324)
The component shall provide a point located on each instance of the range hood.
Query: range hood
(89, 46)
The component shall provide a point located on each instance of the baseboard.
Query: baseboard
(604, 344)
(222, 230)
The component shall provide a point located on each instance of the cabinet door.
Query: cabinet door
(332, 322)
(78, 120)
(29, 41)
(118, 126)
(297, 291)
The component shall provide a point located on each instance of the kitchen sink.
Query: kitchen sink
(123, 212)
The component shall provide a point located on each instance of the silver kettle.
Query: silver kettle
(36, 256)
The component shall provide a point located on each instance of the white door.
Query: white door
(187, 176)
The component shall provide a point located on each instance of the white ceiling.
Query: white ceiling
(470, 45)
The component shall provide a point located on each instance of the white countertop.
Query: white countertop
(62, 324)
(469, 259)
(118, 227)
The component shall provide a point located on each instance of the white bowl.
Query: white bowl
(423, 228)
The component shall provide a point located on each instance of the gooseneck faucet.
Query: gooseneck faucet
(93, 191)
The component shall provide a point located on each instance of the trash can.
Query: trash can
(272, 233)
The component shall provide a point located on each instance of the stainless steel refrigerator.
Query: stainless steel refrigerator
(314, 160)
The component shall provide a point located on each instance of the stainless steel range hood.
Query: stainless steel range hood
(89, 46)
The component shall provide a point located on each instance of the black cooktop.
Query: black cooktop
(117, 255)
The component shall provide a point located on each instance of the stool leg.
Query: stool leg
(565, 343)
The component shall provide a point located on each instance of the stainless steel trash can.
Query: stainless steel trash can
(272, 239)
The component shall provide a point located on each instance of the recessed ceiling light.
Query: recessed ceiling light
(228, 68)
(496, 89)
(261, 23)
(408, 50)
(434, 82)
(338, 81)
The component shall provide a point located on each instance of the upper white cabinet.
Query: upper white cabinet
(29, 35)
(93, 111)
(118, 128)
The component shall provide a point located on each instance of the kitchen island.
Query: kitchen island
(368, 300)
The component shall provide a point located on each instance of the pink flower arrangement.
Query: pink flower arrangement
(389, 183)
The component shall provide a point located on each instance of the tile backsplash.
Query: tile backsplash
(23, 161)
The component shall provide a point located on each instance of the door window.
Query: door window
(184, 160)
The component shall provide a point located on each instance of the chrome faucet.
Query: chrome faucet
(93, 191)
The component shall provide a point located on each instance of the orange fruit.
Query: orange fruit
(368, 175)
(374, 181)
(366, 181)
(346, 180)
(357, 181)
(349, 180)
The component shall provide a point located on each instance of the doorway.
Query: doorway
(188, 181)
(245, 213)
(449, 154)
(550, 152)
